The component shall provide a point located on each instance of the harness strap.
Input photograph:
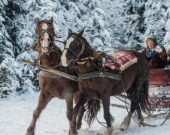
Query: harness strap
(99, 74)
(82, 49)
(48, 74)
(83, 60)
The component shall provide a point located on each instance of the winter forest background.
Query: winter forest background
(108, 23)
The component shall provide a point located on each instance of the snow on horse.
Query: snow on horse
(101, 82)
(52, 85)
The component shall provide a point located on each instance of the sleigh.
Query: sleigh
(159, 87)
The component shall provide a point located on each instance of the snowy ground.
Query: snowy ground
(16, 114)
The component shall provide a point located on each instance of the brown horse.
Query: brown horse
(134, 79)
(51, 85)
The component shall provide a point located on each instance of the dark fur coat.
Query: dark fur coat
(158, 61)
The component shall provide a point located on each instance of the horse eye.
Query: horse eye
(41, 39)
(49, 40)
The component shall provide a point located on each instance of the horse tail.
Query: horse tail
(92, 107)
(143, 97)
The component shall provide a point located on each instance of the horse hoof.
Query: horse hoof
(109, 130)
(140, 121)
(124, 126)
(74, 134)
(29, 133)
(71, 133)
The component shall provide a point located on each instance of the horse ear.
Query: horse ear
(81, 32)
(51, 19)
(37, 20)
(69, 32)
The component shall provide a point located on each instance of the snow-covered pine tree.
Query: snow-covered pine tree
(21, 33)
(134, 19)
(156, 19)
(95, 19)
(88, 13)
(143, 18)
(115, 19)
(8, 80)
(25, 37)
(166, 40)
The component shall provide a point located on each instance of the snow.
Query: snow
(16, 114)
(108, 23)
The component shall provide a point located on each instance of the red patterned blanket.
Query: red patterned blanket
(123, 59)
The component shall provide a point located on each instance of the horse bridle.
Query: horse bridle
(45, 31)
(82, 49)
(50, 37)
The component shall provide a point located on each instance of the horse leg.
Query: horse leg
(81, 102)
(134, 97)
(44, 98)
(80, 116)
(69, 112)
(81, 111)
(107, 116)
(140, 117)
(125, 124)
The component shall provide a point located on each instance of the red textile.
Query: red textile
(123, 59)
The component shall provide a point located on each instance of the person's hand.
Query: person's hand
(158, 49)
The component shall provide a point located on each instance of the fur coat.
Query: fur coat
(158, 61)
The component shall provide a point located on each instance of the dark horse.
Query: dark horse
(134, 79)
(51, 85)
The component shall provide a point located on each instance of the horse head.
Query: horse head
(44, 35)
(76, 47)
(44, 43)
